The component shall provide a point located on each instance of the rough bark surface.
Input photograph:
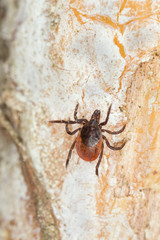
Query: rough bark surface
(54, 54)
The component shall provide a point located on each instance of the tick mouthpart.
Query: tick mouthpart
(96, 115)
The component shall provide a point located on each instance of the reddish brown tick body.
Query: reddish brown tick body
(89, 142)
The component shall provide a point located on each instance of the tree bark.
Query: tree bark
(53, 55)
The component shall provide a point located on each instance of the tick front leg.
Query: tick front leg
(99, 160)
(63, 121)
(75, 111)
(70, 153)
(81, 120)
(111, 147)
(107, 118)
(71, 133)
(115, 132)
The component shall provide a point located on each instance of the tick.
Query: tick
(89, 142)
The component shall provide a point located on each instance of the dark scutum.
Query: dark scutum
(91, 133)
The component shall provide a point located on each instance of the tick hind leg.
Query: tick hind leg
(111, 147)
(70, 153)
(100, 158)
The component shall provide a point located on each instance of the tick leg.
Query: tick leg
(99, 160)
(107, 118)
(81, 120)
(71, 133)
(63, 121)
(70, 153)
(115, 132)
(75, 111)
(111, 147)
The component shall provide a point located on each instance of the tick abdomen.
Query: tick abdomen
(85, 152)
(89, 141)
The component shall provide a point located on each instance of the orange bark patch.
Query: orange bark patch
(120, 46)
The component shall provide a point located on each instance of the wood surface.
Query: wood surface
(53, 55)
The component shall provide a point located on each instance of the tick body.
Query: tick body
(89, 142)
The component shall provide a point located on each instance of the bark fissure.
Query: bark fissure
(40, 199)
